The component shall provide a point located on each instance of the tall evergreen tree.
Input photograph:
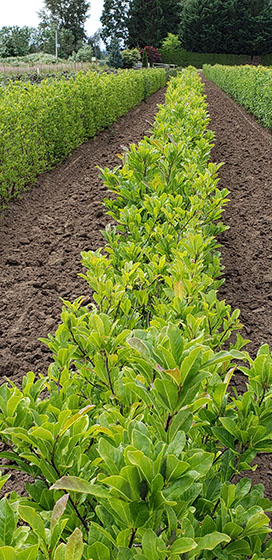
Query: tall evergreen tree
(69, 15)
(149, 21)
(227, 26)
(115, 57)
(114, 21)
(252, 27)
(206, 25)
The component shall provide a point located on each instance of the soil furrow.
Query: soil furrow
(246, 148)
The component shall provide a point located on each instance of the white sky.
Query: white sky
(24, 12)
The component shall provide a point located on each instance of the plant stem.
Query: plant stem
(134, 531)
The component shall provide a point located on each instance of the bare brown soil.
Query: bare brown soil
(246, 148)
(43, 234)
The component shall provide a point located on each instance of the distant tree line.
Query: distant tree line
(67, 17)
(219, 26)
(227, 26)
(210, 26)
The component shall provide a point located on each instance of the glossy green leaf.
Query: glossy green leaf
(211, 540)
(7, 553)
(97, 551)
(74, 547)
(7, 522)
(182, 545)
(76, 484)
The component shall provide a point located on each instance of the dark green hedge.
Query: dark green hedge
(181, 57)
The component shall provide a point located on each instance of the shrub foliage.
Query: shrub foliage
(41, 124)
(249, 85)
(133, 440)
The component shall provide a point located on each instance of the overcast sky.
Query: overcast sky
(24, 12)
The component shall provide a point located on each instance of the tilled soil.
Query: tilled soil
(43, 234)
(246, 148)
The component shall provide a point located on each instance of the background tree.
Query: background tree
(95, 42)
(252, 27)
(170, 46)
(18, 41)
(68, 15)
(149, 21)
(206, 25)
(114, 21)
(227, 26)
(115, 57)
(65, 39)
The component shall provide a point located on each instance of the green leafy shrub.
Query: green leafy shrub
(130, 57)
(41, 124)
(172, 54)
(29, 60)
(84, 54)
(248, 85)
(133, 440)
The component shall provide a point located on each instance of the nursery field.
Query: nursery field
(157, 436)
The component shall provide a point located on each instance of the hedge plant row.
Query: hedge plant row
(250, 86)
(41, 124)
(181, 57)
(133, 442)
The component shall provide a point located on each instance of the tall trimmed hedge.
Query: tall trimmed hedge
(41, 124)
(248, 85)
(181, 57)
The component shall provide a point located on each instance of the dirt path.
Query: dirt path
(42, 236)
(246, 149)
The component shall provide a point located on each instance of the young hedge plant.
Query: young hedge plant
(134, 445)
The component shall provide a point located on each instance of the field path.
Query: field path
(42, 236)
(246, 148)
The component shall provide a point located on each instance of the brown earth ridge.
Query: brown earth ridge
(43, 235)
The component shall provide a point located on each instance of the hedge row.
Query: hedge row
(250, 86)
(134, 421)
(41, 124)
(181, 57)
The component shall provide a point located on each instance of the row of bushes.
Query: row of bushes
(134, 421)
(41, 124)
(181, 57)
(248, 85)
